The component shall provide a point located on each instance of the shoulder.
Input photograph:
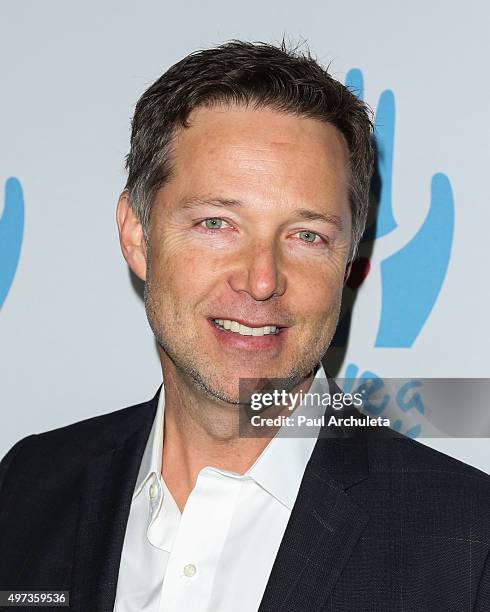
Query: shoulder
(409, 456)
(429, 487)
(66, 447)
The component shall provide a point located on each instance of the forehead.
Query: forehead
(263, 135)
(273, 160)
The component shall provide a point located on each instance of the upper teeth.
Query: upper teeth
(243, 330)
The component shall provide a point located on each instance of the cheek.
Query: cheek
(318, 296)
(181, 273)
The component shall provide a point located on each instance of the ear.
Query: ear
(347, 271)
(131, 237)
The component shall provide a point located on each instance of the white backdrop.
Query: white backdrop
(74, 337)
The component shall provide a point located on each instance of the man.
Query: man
(246, 199)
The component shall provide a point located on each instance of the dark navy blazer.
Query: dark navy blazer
(380, 523)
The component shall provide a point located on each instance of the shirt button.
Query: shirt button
(153, 491)
(189, 570)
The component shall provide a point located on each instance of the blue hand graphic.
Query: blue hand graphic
(11, 232)
(385, 136)
(412, 277)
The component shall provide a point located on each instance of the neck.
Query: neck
(200, 431)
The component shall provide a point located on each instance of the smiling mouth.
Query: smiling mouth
(244, 330)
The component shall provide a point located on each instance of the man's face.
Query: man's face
(238, 234)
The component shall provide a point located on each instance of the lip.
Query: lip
(247, 322)
(229, 340)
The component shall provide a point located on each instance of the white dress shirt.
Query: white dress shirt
(217, 555)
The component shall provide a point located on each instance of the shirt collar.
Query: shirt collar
(151, 462)
(279, 468)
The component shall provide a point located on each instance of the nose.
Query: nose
(259, 273)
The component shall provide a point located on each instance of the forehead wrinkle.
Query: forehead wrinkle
(195, 201)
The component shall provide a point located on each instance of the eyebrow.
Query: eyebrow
(304, 214)
(312, 215)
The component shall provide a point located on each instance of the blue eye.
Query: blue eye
(308, 236)
(213, 223)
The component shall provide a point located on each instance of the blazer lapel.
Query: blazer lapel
(107, 490)
(324, 525)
